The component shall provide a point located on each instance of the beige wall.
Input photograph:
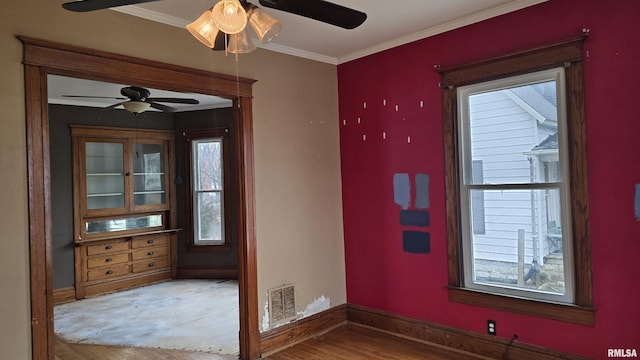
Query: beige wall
(298, 199)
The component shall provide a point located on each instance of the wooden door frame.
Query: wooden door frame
(42, 58)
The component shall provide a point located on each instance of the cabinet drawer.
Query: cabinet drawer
(108, 272)
(149, 253)
(107, 248)
(106, 260)
(151, 264)
(149, 240)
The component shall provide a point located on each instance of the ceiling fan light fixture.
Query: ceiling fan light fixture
(241, 43)
(204, 29)
(229, 16)
(265, 26)
(136, 107)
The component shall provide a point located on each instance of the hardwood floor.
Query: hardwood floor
(69, 351)
(355, 342)
(348, 342)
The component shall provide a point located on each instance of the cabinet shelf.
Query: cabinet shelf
(104, 195)
(104, 174)
(148, 192)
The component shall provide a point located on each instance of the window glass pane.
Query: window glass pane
(148, 174)
(510, 129)
(209, 214)
(208, 164)
(522, 244)
(120, 224)
(477, 200)
(105, 175)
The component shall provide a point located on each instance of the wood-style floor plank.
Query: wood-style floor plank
(348, 342)
(68, 351)
(353, 342)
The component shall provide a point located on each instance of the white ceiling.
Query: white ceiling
(389, 24)
(60, 87)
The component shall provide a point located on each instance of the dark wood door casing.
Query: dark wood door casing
(42, 58)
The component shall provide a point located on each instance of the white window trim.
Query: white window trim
(465, 163)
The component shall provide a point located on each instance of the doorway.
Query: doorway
(203, 315)
(42, 58)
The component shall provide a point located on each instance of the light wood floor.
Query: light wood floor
(349, 342)
(353, 342)
(68, 351)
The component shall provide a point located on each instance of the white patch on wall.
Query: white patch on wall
(265, 317)
(318, 305)
(279, 309)
(282, 304)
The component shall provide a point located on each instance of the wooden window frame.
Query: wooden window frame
(198, 134)
(567, 54)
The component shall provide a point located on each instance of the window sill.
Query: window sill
(562, 312)
(209, 248)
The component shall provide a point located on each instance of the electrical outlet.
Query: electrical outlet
(491, 327)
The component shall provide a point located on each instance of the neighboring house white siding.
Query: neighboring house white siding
(503, 132)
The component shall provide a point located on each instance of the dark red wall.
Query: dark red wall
(381, 276)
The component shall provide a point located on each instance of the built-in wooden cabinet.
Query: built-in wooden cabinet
(124, 209)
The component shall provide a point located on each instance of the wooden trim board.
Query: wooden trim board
(64, 295)
(290, 334)
(455, 339)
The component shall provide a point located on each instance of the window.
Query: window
(515, 167)
(502, 127)
(206, 152)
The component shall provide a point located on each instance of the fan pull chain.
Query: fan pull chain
(237, 81)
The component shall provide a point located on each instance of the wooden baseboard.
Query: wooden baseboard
(207, 272)
(455, 339)
(290, 334)
(100, 288)
(64, 295)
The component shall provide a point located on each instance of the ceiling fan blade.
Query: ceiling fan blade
(114, 105)
(174, 100)
(320, 10)
(162, 107)
(94, 97)
(90, 5)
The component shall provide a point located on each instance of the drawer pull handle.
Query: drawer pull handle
(108, 247)
(109, 272)
(150, 241)
(108, 260)
(150, 265)
(150, 253)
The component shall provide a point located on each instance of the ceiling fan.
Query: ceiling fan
(320, 10)
(138, 99)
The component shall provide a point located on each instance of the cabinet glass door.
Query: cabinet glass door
(148, 174)
(104, 164)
